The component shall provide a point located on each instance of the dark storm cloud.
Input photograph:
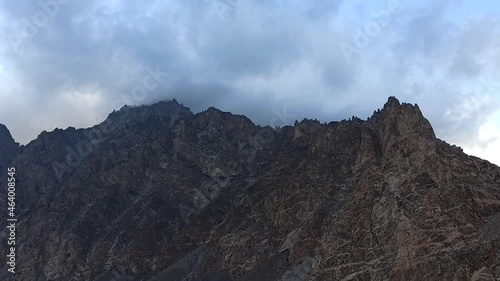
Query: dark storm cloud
(275, 61)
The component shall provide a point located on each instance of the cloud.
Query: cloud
(261, 58)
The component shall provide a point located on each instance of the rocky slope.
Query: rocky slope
(8, 147)
(158, 193)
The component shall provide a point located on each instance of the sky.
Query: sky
(70, 63)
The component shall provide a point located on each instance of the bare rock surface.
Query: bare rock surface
(159, 193)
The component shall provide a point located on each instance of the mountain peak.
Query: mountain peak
(8, 147)
(401, 120)
(403, 112)
(5, 135)
(170, 109)
(392, 101)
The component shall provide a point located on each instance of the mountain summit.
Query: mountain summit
(8, 147)
(159, 193)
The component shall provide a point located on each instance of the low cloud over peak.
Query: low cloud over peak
(69, 63)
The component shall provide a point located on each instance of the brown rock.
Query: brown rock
(158, 192)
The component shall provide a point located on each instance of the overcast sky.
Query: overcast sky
(70, 63)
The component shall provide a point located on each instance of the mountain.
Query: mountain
(8, 147)
(159, 193)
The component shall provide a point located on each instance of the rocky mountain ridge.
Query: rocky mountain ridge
(159, 193)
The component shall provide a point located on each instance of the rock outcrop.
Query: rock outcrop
(159, 193)
(8, 147)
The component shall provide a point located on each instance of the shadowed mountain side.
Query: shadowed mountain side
(159, 193)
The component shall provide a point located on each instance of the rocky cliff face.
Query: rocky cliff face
(8, 147)
(158, 193)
